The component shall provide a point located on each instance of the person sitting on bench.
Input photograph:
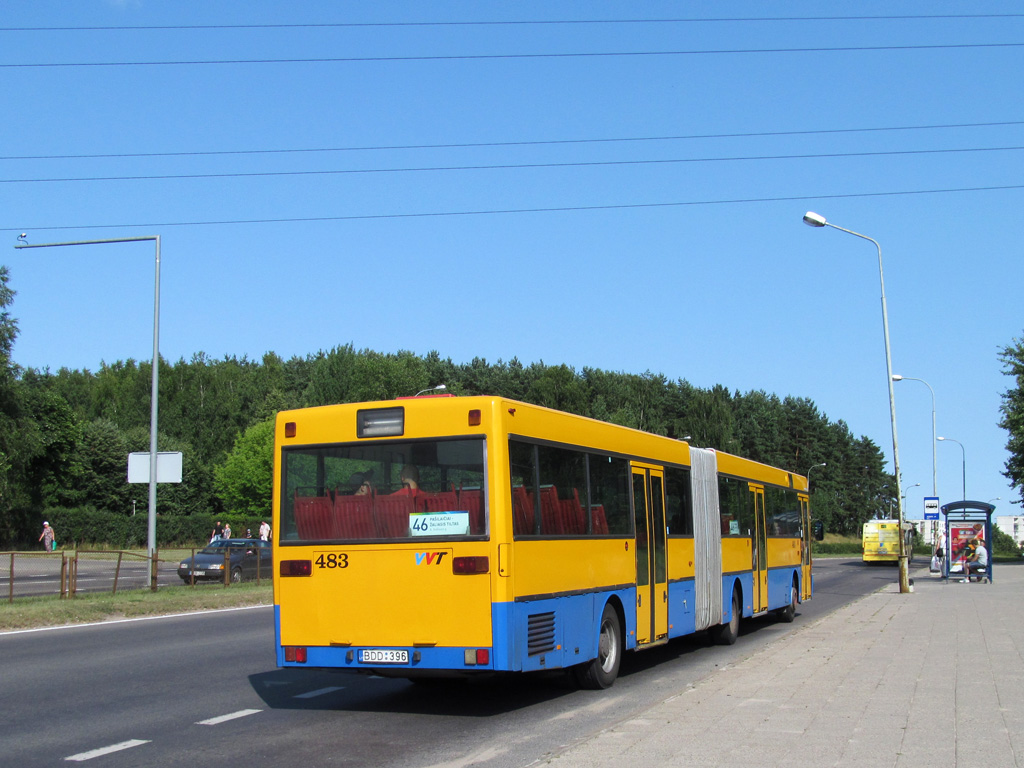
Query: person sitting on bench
(978, 563)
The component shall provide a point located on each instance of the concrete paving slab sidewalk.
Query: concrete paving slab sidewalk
(932, 678)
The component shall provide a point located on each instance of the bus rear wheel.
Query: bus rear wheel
(600, 672)
(788, 613)
(726, 634)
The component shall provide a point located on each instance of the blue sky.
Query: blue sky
(646, 214)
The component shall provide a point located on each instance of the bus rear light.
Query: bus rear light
(474, 417)
(296, 568)
(464, 566)
(295, 654)
(289, 429)
(477, 657)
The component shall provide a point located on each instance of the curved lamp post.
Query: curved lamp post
(808, 475)
(907, 491)
(813, 219)
(438, 388)
(963, 456)
(935, 474)
(151, 544)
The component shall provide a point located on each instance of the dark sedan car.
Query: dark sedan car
(245, 559)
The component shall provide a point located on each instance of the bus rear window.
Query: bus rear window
(383, 491)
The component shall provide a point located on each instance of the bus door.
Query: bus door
(651, 549)
(759, 555)
(805, 547)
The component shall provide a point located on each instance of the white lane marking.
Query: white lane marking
(107, 750)
(320, 692)
(232, 716)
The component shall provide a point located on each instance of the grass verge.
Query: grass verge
(33, 612)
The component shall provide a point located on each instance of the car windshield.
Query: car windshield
(384, 490)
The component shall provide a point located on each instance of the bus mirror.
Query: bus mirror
(818, 529)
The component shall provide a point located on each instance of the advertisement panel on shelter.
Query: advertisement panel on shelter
(963, 541)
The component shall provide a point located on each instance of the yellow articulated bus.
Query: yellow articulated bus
(880, 541)
(452, 536)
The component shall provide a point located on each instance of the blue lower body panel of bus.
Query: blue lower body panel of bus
(556, 632)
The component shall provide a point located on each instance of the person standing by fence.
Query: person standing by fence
(47, 537)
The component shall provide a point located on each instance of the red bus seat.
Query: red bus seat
(472, 501)
(573, 521)
(392, 515)
(550, 511)
(445, 501)
(522, 511)
(313, 516)
(353, 517)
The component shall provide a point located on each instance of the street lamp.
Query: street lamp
(808, 475)
(431, 389)
(151, 539)
(963, 456)
(907, 491)
(935, 472)
(812, 219)
(935, 475)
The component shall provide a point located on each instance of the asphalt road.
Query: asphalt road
(201, 689)
(39, 575)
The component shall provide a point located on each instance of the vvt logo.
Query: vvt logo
(429, 558)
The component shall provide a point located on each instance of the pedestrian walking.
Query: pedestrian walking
(47, 537)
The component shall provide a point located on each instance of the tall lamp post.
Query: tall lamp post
(812, 219)
(963, 456)
(151, 539)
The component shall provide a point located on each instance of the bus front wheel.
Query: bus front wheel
(601, 672)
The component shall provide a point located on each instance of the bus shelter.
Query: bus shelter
(967, 523)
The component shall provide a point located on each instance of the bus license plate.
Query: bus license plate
(378, 656)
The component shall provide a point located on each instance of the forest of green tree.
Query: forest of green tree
(65, 436)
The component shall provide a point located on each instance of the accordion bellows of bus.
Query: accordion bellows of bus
(457, 536)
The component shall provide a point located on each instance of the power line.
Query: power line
(473, 145)
(504, 166)
(506, 211)
(509, 23)
(508, 56)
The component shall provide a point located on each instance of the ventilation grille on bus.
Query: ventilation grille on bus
(541, 633)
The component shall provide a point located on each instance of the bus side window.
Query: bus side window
(610, 490)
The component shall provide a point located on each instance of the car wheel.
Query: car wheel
(236, 576)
